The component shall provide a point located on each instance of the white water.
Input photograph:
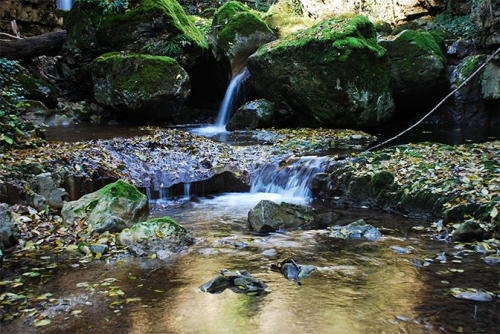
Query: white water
(292, 181)
(64, 4)
(231, 101)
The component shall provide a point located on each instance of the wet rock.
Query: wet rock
(268, 216)
(9, 233)
(154, 235)
(472, 294)
(118, 199)
(99, 248)
(238, 281)
(291, 270)
(400, 250)
(333, 74)
(252, 115)
(469, 230)
(141, 86)
(492, 260)
(356, 230)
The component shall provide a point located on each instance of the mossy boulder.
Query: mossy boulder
(155, 27)
(268, 216)
(333, 74)
(418, 69)
(252, 115)
(283, 19)
(113, 207)
(143, 86)
(237, 33)
(153, 235)
(38, 90)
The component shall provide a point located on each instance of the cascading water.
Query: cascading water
(64, 4)
(233, 98)
(292, 181)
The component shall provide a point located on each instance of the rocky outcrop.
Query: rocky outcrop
(33, 17)
(252, 115)
(155, 236)
(268, 216)
(418, 69)
(112, 208)
(237, 33)
(141, 86)
(333, 74)
(154, 27)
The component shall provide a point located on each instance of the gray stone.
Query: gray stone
(268, 216)
(9, 232)
(357, 230)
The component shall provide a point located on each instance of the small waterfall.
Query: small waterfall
(233, 98)
(64, 4)
(187, 191)
(292, 180)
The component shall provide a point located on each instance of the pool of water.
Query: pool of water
(358, 287)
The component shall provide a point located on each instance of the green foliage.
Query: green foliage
(457, 25)
(110, 7)
(11, 100)
(174, 47)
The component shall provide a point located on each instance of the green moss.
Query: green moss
(122, 189)
(468, 66)
(381, 181)
(410, 43)
(243, 24)
(229, 10)
(149, 70)
(37, 89)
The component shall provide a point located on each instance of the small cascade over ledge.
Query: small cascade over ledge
(291, 178)
(233, 98)
(64, 4)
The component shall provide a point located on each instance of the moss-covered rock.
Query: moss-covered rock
(141, 85)
(156, 27)
(38, 90)
(252, 115)
(153, 235)
(418, 69)
(238, 32)
(333, 74)
(112, 207)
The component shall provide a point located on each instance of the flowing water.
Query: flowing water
(64, 4)
(233, 98)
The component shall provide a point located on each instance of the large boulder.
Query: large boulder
(155, 235)
(284, 19)
(268, 216)
(9, 233)
(143, 86)
(333, 74)
(418, 69)
(114, 207)
(238, 33)
(155, 27)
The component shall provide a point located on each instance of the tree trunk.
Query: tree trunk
(29, 47)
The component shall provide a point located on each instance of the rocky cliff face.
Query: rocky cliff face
(33, 17)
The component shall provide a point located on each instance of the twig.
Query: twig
(440, 103)
(9, 35)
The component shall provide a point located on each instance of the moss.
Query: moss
(229, 10)
(243, 24)
(122, 189)
(150, 70)
(468, 66)
(37, 89)
(410, 43)
(381, 181)
(166, 220)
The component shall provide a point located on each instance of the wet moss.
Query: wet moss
(411, 43)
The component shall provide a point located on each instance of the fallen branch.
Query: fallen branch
(29, 47)
(442, 101)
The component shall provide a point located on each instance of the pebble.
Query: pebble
(478, 296)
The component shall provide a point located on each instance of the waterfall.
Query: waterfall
(291, 179)
(233, 98)
(187, 191)
(64, 4)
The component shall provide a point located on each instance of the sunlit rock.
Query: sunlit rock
(119, 201)
(356, 230)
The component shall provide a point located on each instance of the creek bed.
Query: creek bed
(358, 287)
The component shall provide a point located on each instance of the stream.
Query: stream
(398, 284)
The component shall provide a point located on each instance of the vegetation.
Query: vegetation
(12, 101)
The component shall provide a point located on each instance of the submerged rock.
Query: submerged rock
(118, 202)
(472, 294)
(268, 216)
(154, 235)
(238, 281)
(355, 230)
(291, 270)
